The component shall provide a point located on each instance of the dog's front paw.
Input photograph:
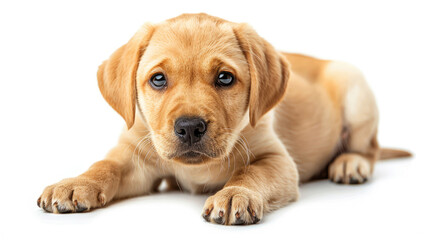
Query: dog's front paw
(72, 195)
(234, 206)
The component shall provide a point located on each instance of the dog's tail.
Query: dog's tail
(388, 153)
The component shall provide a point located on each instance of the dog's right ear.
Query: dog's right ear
(117, 75)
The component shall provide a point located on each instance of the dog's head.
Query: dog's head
(197, 80)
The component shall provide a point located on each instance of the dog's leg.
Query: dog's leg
(356, 164)
(268, 183)
(117, 177)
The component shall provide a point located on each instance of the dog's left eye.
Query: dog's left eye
(158, 81)
(225, 79)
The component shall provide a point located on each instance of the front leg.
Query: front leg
(268, 183)
(120, 176)
(92, 189)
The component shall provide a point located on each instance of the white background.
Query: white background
(55, 124)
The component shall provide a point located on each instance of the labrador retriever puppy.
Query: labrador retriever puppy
(211, 106)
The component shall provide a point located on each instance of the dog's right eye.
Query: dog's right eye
(158, 81)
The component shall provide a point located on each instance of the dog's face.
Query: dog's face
(197, 80)
(193, 89)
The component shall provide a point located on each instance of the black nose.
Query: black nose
(190, 129)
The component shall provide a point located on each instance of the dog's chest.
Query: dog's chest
(202, 179)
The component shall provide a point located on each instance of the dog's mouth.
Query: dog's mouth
(192, 156)
(199, 152)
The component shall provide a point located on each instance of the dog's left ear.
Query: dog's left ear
(117, 75)
(269, 72)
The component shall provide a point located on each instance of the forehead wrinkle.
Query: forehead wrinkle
(156, 63)
(220, 61)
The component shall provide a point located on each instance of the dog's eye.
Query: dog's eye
(225, 79)
(158, 81)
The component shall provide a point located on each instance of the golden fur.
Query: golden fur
(287, 119)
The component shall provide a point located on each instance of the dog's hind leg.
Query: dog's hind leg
(354, 167)
(360, 147)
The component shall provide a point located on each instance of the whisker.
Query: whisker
(240, 143)
(144, 144)
(138, 148)
(151, 153)
(178, 185)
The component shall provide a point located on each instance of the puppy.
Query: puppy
(211, 106)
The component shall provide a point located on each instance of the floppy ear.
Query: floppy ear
(117, 75)
(269, 72)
